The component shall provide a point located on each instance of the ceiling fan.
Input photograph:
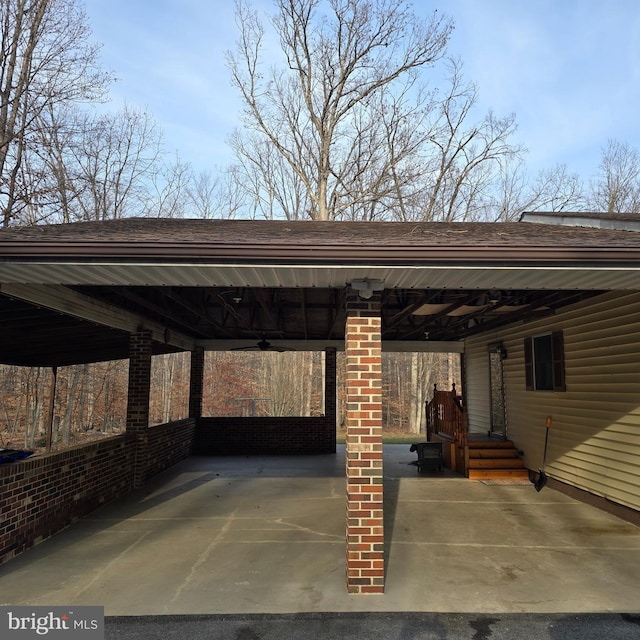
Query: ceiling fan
(264, 345)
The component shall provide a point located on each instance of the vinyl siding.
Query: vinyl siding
(594, 441)
(476, 386)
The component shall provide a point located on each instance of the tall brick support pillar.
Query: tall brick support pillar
(138, 399)
(365, 529)
(196, 383)
(330, 391)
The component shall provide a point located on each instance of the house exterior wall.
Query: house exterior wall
(476, 385)
(594, 440)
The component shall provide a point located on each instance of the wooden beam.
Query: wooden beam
(71, 303)
(390, 346)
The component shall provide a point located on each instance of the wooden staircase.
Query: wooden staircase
(475, 455)
(493, 459)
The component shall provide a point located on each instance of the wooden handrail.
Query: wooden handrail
(446, 416)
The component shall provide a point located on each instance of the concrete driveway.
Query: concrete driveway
(246, 536)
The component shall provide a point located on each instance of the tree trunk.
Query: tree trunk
(415, 385)
(168, 374)
(71, 404)
(36, 396)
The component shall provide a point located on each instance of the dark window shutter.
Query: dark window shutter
(557, 345)
(528, 363)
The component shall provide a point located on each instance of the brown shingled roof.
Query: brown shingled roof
(196, 231)
(309, 240)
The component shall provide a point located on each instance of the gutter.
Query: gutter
(256, 254)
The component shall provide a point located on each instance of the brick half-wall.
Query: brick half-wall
(168, 444)
(42, 495)
(265, 436)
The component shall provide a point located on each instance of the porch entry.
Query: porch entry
(477, 456)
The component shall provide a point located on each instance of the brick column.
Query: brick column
(330, 388)
(365, 529)
(138, 399)
(196, 383)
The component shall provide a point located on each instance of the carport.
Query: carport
(133, 288)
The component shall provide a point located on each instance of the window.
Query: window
(544, 362)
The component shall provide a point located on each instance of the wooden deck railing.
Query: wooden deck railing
(446, 417)
(447, 421)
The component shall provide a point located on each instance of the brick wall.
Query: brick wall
(167, 444)
(196, 383)
(42, 495)
(139, 380)
(257, 436)
(365, 529)
(138, 400)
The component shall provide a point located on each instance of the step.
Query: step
(490, 444)
(489, 474)
(496, 463)
(493, 453)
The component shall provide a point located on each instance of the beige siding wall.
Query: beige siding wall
(594, 443)
(476, 385)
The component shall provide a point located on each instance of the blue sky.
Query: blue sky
(568, 69)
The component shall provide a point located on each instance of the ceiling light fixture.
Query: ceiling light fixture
(366, 287)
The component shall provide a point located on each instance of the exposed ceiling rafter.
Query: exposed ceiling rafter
(71, 303)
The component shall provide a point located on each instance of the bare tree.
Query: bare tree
(202, 193)
(49, 168)
(113, 159)
(462, 158)
(46, 59)
(34, 389)
(11, 400)
(420, 383)
(320, 110)
(168, 190)
(71, 402)
(112, 386)
(105, 166)
(169, 387)
(268, 187)
(553, 189)
(616, 188)
(99, 166)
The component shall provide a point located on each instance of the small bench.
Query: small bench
(429, 455)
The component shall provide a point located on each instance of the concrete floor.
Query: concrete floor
(266, 535)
